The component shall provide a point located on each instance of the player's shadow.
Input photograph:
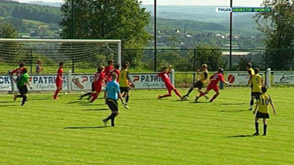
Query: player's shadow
(9, 105)
(232, 103)
(84, 103)
(240, 136)
(99, 109)
(39, 99)
(84, 127)
(5, 102)
(233, 111)
(200, 102)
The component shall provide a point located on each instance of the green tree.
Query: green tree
(210, 55)
(106, 19)
(278, 26)
(7, 30)
(9, 50)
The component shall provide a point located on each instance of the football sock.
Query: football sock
(189, 91)
(19, 96)
(251, 103)
(94, 97)
(201, 94)
(214, 96)
(112, 119)
(24, 99)
(56, 93)
(127, 99)
(178, 93)
(256, 127)
(166, 95)
(264, 129)
(86, 94)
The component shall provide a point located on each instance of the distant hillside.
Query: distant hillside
(178, 26)
(46, 14)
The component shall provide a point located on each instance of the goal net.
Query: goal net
(80, 56)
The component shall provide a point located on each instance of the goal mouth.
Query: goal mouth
(79, 55)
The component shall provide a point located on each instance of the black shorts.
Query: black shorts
(198, 85)
(23, 89)
(112, 104)
(262, 115)
(124, 89)
(256, 94)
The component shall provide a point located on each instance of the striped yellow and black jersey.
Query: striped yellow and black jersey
(124, 78)
(256, 82)
(263, 103)
(203, 76)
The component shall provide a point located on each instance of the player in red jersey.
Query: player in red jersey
(169, 86)
(99, 79)
(108, 69)
(17, 71)
(59, 80)
(116, 71)
(214, 79)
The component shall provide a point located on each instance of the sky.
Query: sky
(245, 3)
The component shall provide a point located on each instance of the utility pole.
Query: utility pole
(231, 33)
(155, 35)
(72, 32)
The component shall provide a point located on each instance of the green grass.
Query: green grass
(152, 131)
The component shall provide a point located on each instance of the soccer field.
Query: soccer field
(152, 131)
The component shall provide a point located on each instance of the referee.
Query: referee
(111, 95)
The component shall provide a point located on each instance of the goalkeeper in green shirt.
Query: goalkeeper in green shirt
(22, 84)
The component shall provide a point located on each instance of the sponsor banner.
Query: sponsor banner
(5, 83)
(283, 77)
(239, 78)
(81, 82)
(46, 83)
(147, 81)
(39, 83)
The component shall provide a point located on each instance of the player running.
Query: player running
(99, 80)
(256, 82)
(59, 80)
(124, 81)
(22, 83)
(165, 78)
(262, 105)
(112, 94)
(199, 84)
(17, 71)
(108, 69)
(250, 73)
(214, 79)
(116, 71)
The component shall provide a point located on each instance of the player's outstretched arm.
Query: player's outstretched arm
(273, 106)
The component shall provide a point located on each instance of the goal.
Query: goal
(79, 55)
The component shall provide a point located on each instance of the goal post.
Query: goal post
(78, 53)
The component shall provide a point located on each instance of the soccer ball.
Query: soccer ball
(185, 98)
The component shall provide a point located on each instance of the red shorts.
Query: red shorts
(214, 87)
(98, 88)
(58, 83)
(169, 86)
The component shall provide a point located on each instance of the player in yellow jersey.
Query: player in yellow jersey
(256, 82)
(199, 84)
(250, 73)
(262, 105)
(124, 82)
